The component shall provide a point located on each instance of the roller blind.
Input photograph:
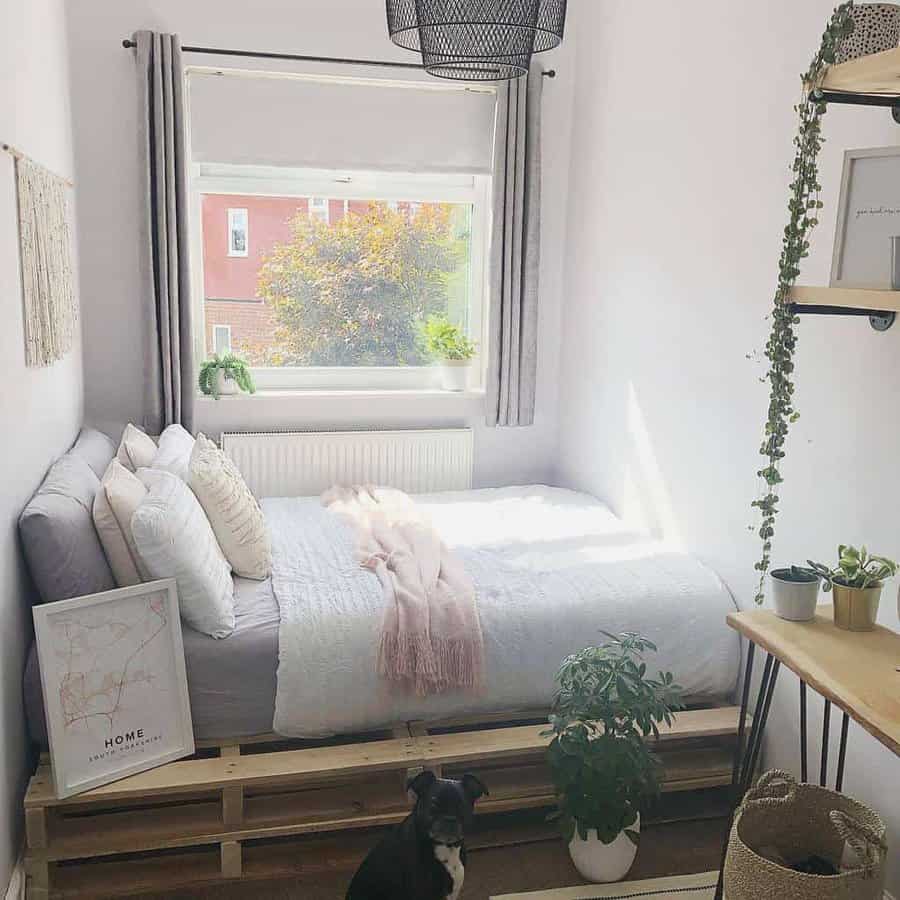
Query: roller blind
(339, 123)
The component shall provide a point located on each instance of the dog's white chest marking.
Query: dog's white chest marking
(448, 857)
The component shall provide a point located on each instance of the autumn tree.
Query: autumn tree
(354, 291)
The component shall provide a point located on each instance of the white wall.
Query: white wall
(40, 409)
(680, 153)
(110, 210)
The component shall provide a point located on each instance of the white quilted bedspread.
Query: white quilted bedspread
(551, 569)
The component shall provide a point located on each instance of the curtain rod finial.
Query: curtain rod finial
(128, 43)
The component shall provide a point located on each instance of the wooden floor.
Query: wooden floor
(541, 862)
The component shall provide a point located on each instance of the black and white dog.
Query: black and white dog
(424, 857)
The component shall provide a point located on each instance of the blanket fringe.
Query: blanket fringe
(431, 666)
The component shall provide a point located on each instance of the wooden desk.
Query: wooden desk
(859, 672)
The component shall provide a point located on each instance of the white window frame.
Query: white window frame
(234, 213)
(219, 328)
(207, 178)
(320, 208)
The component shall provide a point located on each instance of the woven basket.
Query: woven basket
(782, 818)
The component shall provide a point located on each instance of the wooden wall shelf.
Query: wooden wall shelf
(878, 73)
(847, 298)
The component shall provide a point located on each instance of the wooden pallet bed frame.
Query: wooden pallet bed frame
(214, 816)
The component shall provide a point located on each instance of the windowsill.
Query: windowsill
(351, 394)
(329, 410)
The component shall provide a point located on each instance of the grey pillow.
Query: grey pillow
(61, 544)
(95, 448)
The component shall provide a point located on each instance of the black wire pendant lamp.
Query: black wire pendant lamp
(476, 40)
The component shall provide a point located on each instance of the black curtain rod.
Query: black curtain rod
(129, 44)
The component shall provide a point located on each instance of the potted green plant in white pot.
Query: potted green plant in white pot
(226, 375)
(603, 771)
(795, 593)
(451, 350)
(857, 581)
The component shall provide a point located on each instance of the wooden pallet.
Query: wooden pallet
(228, 815)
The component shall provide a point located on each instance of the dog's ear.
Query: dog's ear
(421, 782)
(473, 787)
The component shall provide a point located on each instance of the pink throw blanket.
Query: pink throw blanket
(431, 636)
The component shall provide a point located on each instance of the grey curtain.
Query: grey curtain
(169, 396)
(515, 253)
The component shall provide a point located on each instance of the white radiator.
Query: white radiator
(303, 464)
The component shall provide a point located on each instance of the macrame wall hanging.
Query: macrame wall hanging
(51, 309)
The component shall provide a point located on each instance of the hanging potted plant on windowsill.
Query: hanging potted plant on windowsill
(603, 771)
(224, 376)
(451, 350)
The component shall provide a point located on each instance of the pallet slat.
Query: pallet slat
(297, 766)
(283, 767)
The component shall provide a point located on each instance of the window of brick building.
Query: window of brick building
(318, 209)
(221, 339)
(238, 232)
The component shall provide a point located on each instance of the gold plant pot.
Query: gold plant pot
(856, 609)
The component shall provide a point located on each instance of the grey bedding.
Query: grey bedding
(231, 682)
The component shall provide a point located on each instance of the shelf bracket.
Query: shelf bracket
(878, 318)
(856, 99)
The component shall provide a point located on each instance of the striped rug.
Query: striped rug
(683, 887)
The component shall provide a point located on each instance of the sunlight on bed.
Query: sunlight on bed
(544, 528)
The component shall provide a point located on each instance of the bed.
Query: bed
(551, 567)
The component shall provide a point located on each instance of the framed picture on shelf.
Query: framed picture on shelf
(868, 219)
(114, 683)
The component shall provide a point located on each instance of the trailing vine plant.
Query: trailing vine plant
(803, 208)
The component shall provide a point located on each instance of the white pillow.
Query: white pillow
(174, 454)
(136, 449)
(175, 540)
(121, 493)
(232, 510)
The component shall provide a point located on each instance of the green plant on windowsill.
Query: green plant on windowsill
(216, 373)
(605, 706)
(445, 342)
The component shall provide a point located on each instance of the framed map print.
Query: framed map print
(114, 682)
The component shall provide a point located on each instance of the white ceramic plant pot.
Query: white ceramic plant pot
(227, 387)
(794, 600)
(601, 863)
(454, 374)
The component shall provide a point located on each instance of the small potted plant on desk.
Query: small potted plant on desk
(603, 771)
(795, 592)
(451, 349)
(857, 581)
(225, 375)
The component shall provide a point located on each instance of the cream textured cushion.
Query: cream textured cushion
(136, 449)
(121, 493)
(175, 540)
(233, 512)
(174, 454)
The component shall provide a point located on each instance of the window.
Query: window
(221, 339)
(318, 209)
(238, 238)
(341, 307)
